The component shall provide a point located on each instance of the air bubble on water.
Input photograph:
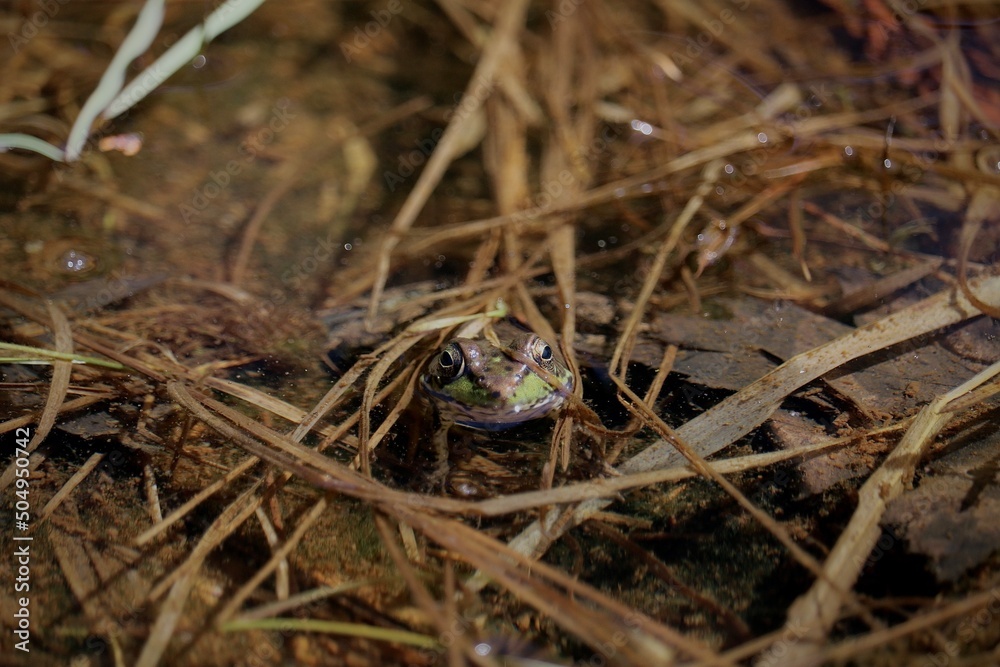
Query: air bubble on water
(75, 262)
(642, 126)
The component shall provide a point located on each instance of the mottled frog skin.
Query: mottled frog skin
(497, 385)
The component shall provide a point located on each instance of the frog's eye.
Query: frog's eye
(451, 362)
(541, 352)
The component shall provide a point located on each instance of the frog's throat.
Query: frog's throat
(470, 405)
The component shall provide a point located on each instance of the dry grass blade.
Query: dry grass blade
(286, 180)
(282, 585)
(387, 359)
(306, 521)
(492, 557)
(261, 400)
(390, 420)
(736, 625)
(816, 611)
(851, 648)
(357, 630)
(982, 209)
(508, 23)
(91, 188)
(611, 487)
(68, 487)
(182, 579)
(735, 416)
(619, 361)
(538, 219)
(643, 411)
(570, 86)
(293, 458)
(601, 488)
(223, 482)
(76, 568)
(344, 384)
(61, 371)
(437, 616)
(273, 609)
(66, 408)
(635, 637)
(59, 385)
(162, 630)
(235, 514)
(738, 414)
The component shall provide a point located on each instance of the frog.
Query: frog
(497, 384)
(504, 378)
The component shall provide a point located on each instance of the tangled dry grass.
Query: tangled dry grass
(230, 507)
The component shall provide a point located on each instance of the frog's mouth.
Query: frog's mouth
(487, 418)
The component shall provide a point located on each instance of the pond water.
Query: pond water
(768, 226)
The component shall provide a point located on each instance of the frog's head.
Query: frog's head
(481, 385)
